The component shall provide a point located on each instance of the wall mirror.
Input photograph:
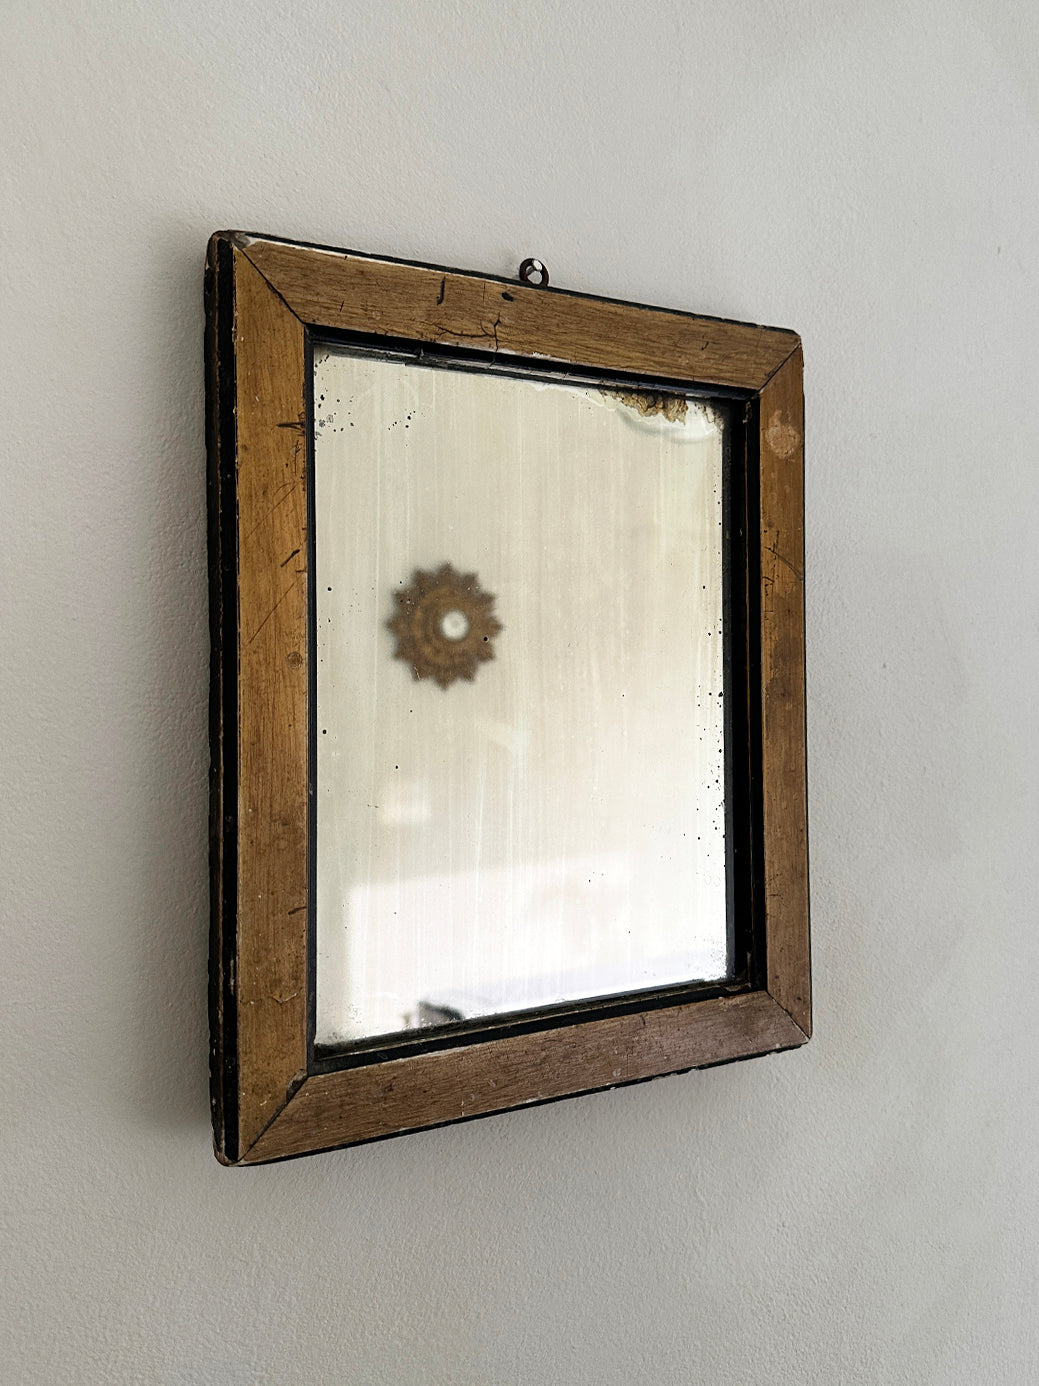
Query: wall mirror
(507, 694)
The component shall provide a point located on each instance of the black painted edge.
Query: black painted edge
(221, 448)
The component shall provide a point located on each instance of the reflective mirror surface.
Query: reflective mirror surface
(520, 759)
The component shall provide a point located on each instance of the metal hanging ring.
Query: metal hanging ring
(531, 267)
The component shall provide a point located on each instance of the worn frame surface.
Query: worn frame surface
(272, 1096)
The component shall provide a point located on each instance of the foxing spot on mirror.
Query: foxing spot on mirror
(520, 693)
(507, 707)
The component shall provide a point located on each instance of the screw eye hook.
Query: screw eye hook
(534, 273)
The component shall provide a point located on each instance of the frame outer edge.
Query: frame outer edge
(356, 1105)
(272, 704)
(281, 1110)
(784, 777)
(219, 379)
(348, 292)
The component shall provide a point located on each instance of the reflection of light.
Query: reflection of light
(404, 802)
(454, 625)
(514, 739)
(481, 942)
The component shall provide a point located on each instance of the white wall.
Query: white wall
(863, 1210)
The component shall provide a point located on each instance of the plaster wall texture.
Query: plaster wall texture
(864, 1210)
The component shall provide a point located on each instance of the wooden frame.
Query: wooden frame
(273, 1097)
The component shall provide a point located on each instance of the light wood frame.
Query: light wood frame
(272, 1096)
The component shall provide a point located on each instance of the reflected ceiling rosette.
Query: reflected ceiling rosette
(444, 624)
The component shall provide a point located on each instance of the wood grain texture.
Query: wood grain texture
(428, 1089)
(340, 290)
(271, 982)
(784, 787)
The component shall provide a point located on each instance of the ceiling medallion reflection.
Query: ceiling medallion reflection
(444, 625)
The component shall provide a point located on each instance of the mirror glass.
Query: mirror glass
(520, 746)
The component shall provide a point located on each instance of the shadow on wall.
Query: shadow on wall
(168, 1078)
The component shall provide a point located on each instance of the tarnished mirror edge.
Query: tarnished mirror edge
(268, 1103)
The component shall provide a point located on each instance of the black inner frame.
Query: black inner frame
(742, 724)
